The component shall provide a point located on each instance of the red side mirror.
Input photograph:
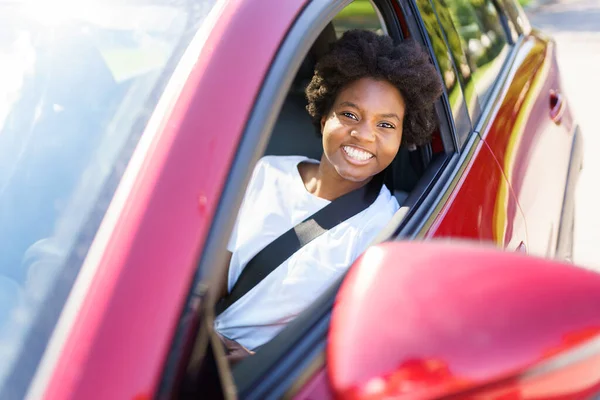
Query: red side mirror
(436, 319)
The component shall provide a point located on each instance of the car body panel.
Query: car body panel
(140, 269)
(534, 151)
(480, 206)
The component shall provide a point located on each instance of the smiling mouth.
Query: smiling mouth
(357, 154)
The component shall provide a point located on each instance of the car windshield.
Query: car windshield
(78, 82)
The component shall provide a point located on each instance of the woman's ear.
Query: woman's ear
(323, 119)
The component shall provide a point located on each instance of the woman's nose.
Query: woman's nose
(363, 133)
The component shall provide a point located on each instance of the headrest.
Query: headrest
(318, 49)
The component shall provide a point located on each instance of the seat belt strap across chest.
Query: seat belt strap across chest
(282, 248)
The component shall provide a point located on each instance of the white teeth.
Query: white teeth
(357, 154)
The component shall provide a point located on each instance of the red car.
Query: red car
(128, 132)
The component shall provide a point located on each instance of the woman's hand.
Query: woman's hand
(234, 352)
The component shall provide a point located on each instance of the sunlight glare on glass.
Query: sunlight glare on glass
(56, 12)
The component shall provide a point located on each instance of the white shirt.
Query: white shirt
(276, 200)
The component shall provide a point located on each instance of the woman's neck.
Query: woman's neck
(323, 181)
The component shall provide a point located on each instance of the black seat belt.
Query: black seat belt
(282, 248)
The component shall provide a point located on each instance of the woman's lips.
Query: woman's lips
(357, 156)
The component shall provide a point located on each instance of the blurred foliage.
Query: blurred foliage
(482, 38)
(360, 14)
(442, 56)
(356, 8)
(475, 39)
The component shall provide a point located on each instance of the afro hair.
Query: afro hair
(359, 54)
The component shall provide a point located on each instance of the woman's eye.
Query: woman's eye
(386, 125)
(350, 115)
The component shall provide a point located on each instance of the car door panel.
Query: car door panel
(532, 149)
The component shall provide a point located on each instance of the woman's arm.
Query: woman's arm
(234, 352)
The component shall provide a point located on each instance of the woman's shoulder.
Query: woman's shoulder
(277, 170)
(274, 173)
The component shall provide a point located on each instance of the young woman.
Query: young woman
(367, 96)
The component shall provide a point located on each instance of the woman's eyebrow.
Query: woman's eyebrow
(391, 115)
(349, 104)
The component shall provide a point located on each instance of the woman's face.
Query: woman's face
(363, 130)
